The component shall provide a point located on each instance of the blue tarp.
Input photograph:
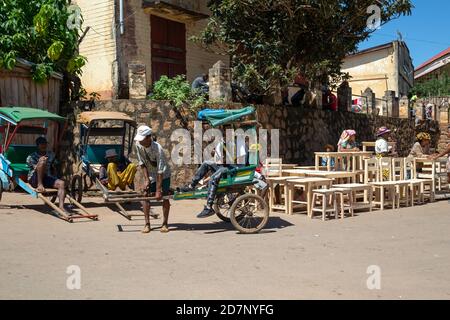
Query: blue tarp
(221, 117)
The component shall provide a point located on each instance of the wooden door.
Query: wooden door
(168, 47)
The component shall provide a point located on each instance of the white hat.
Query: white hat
(142, 133)
(111, 153)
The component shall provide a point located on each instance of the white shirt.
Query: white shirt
(241, 152)
(381, 146)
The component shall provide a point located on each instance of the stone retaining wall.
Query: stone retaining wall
(302, 131)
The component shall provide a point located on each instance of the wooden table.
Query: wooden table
(322, 174)
(308, 185)
(353, 156)
(438, 171)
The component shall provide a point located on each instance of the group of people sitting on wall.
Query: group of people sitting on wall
(420, 149)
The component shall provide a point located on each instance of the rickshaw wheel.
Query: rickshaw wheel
(76, 188)
(1, 190)
(87, 182)
(249, 213)
(223, 204)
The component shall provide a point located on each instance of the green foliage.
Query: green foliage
(435, 87)
(37, 30)
(271, 41)
(178, 91)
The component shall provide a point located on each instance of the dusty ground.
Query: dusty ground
(294, 258)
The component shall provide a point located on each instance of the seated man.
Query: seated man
(218, 170)
(117, 174)
(42, 172)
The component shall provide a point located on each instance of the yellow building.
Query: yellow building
(154, 33)
(382, 68)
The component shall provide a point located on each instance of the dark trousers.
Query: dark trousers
(217, 172)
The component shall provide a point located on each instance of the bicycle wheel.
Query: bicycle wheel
(223, 204)
(249, 213)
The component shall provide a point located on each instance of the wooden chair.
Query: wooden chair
(327, 203)
(398, 169)
(415, 185)
(371, 173)
(385, 169)
(403, 186)
(273, 167)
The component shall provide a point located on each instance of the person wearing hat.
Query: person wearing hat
(117, 173)
(347, 141)
(42, 171)
(422, 146)
(381, 145)
(156, 171)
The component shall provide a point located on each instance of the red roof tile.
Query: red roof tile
(436, 57)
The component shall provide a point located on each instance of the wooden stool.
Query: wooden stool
(328, 202)
(340, 198)
(358, 191)
(385, 188)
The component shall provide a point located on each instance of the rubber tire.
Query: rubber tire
(217, 210)
(76, 188)
(235, 220)
(1, 190)
(87, 186)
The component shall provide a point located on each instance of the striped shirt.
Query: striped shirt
(154, 159)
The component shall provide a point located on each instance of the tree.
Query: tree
(435, 87)
(40, 31)
(271, 41)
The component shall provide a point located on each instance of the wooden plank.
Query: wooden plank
(39, 97)
(45, 93)
(26, 92)
(15, 91)
(33, 101)
(51, 94)
(2, 92)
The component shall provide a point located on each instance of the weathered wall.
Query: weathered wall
(385, 69)
(98, 46)
(302, 132)
(373, 70)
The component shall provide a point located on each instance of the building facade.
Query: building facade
(388, 67)
(435, 68)
(153, 33)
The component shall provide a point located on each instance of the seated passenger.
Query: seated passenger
(42, 172)
(422, 147)
(117, 173)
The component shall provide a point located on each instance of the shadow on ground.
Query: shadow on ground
(274, 224)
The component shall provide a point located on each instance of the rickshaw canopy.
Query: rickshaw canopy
(19, 114)
(222, 117)
(91, 116)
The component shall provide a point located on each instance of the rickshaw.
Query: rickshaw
(101, 131)
(19, 127)
(235, 202)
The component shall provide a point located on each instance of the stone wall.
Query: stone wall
(302, 131)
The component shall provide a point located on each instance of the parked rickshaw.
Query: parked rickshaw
(101, 131)
(235, 202)
(19, 128)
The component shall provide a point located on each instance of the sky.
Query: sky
(426, 31)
